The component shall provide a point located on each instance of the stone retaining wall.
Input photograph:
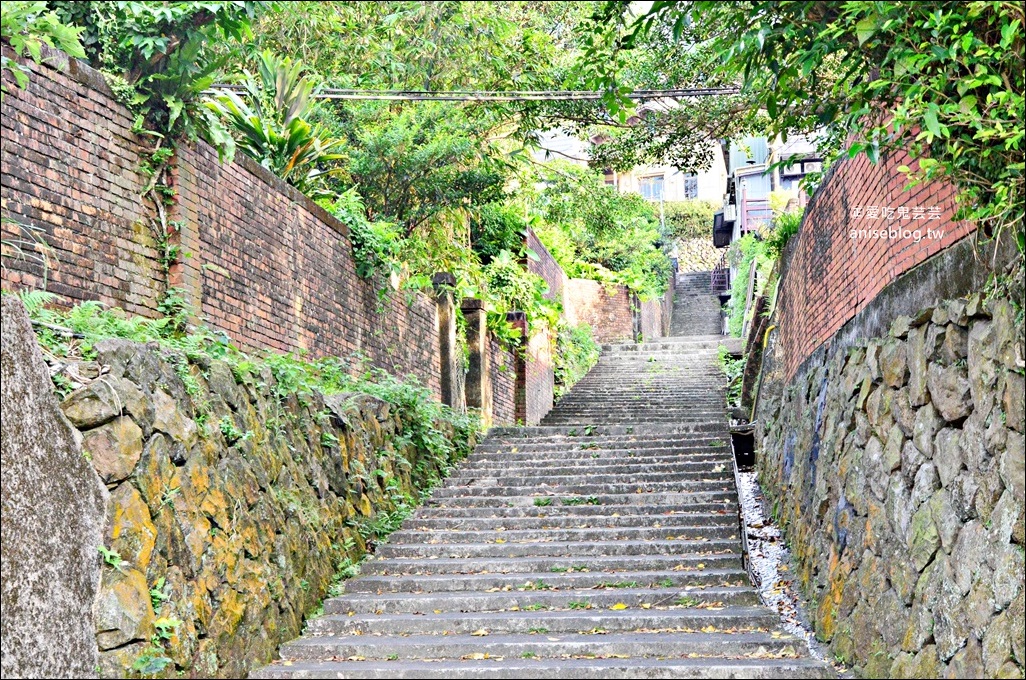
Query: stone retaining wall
(895, 465)
(231, 506)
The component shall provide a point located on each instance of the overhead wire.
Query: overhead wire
(499, 96)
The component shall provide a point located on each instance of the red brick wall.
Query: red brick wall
(274, 270)
(607, 312)
(264, 263)
(655, 315)
(829, 276)
(547, 268)
(504, 378)
(70, 167)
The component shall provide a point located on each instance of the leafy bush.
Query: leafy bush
(495, 227)
(510, 287)
(785, 225)
(164, 55)
(689, 219)
(376, 245)
(272, 124)
(595, 232)
(26, 27)
(576, 352)
(746, 253)
(734, 369)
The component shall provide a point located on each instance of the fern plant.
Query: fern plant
(271, 121)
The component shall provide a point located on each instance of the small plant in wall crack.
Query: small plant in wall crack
(111, 558)
(166, 232)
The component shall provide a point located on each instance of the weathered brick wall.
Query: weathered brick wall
(830, 276)
(608, 313)
(504, 379)
(70, 168)
(546, 267)
(655, 315)
(273, 269)
(264, 263)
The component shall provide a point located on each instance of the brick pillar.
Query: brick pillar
(519, 320)
(478, 387)
(449, 355)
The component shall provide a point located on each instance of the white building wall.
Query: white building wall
(712, 183)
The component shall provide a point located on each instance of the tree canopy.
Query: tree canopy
(943, 81)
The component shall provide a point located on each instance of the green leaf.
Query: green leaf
(865, 29)
(930, 120)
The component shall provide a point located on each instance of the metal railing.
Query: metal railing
(754, 212)
(720, 276)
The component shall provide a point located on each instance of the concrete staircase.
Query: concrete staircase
(602, 544)
(696, 308)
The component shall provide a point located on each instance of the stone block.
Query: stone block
(948, 454)
(53, 513)
(924, 429)
(949, 391)
(114, 448)
(923, 539)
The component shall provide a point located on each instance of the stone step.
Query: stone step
(725, 530)
(534, 463)
(754, 668)
(526, 597)
(621, 464)
(640, 430)
(629, 420)
(390, 579)
(541, 647)
(554, 622)
(696, 567)
(689, 445)
(586, 522)
(691, 499)
(654, 507)
(475, 478)
(583, 456)
(560, 549)
(541, 488)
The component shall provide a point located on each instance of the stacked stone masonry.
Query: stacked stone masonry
(234, 507)
(896, 468)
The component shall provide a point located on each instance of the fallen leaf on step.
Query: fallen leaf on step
(480, 633)
(619, 606)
